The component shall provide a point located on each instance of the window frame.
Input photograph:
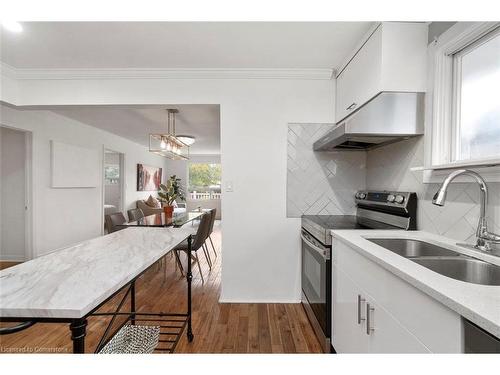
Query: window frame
(441, 109)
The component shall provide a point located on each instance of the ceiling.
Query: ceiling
(137, 122)
(178, 45)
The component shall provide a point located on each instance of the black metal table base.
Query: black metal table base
(172, 325)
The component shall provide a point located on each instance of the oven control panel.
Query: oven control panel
(386, 198)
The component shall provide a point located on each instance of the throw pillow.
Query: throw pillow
(153, 202)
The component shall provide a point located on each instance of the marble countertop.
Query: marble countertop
(478, 303)
(71, 282)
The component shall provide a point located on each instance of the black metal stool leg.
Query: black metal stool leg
(78, 330)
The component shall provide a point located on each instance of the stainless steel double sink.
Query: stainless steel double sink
(443, 261)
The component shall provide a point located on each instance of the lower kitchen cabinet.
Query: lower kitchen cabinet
(347, 334)
(401, 318)
(360, 325)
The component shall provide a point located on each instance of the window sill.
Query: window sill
(489, 169)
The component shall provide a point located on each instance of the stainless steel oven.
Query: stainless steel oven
(375, 210)
(316, 286)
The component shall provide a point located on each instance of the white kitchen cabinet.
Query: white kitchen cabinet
(360, 325)
(393, 58)
(386, 335)
(347, 335)
(405, 320)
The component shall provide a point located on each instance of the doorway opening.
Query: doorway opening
(113, 183)
(15, 190)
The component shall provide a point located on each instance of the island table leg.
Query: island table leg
(132, 302)
(78, 329)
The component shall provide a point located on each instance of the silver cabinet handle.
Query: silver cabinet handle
(352, 106)
(369, 309)
(360, 301)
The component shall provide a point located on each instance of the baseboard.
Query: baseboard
(224, 300)
(6, 258)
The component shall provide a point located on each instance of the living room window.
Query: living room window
(204, 181)
(463, 123)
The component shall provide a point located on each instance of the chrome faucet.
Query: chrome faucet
(484, 239)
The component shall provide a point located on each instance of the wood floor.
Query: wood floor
(218, 328)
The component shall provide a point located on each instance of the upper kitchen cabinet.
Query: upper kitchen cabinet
(392, 58)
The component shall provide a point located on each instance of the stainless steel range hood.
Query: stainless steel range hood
(388, 117)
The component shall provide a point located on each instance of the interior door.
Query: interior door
(13, 194)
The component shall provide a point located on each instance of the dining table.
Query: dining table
(161, 220)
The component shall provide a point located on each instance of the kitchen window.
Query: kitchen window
(476, 121)
(463, 123)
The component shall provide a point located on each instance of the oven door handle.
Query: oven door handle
(323, 252)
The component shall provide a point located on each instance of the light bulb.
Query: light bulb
(169, 146)
(163, 145)
(12, 26)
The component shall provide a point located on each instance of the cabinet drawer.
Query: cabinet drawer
(434, 324)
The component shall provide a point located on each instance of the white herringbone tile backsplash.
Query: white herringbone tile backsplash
(320, 183)
(389, 168)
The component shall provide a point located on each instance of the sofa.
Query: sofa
(148, 210)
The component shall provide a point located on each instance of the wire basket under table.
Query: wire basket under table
(133, 339)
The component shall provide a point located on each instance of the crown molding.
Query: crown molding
(74, 74)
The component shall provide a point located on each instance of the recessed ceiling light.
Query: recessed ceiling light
(12, 26)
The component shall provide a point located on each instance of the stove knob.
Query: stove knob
(362, 195)
(391, 198)
(399, 199)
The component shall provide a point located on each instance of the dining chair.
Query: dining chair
(213, 212)
(135, 214)
(113, 221)
(197, 243)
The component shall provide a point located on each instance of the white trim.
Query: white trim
(438, 150)
(277, 300)
(28, 217)
(7, 70)
(77, 74)
(491, 174)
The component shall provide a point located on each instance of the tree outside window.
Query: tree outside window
(204, 181)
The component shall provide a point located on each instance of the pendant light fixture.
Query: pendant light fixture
(169, 145)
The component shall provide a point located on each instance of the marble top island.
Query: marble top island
(71, 282)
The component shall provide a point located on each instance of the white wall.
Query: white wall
(12, 195)
(261, 247)
(67, 216)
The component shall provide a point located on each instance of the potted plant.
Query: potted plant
(168, 193)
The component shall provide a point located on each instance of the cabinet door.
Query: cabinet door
(360, 79)
(347, 335)
(386, 335)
